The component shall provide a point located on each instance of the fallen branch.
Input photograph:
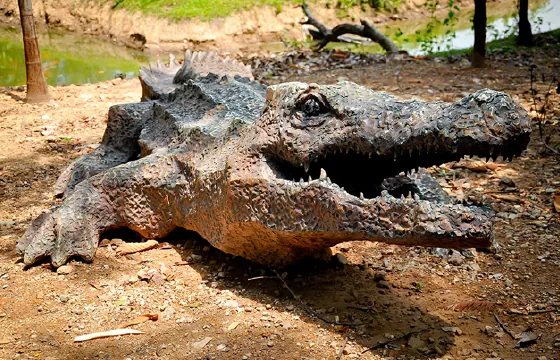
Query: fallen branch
(506, 330)
(309, 310)
(110, 333)
(386, 342)
(326, 35)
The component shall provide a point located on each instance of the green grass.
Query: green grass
(203, 9)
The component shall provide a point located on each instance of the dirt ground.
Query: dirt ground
(407, 303)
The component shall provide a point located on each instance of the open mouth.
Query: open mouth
(364, 175)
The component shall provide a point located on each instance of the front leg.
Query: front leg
(118, 146)
(141, 195)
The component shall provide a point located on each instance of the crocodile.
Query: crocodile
(277, 173)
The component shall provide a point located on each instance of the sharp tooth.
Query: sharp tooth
(361, 195)
(310, 179)
(416, 197)
(347, 150)
(409, 195)
(402, 197)
(323, 174)
(328, 180)
(369, 155)
(395, 157)
(306, 166)
(301, 180)
(342, 188)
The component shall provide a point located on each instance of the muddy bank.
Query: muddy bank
(234, 32)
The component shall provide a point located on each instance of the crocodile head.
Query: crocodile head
(314, 165)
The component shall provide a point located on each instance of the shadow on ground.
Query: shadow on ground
(347, 294)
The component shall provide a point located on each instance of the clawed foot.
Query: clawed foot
(59, 235)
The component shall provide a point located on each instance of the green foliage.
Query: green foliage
(428, 38)
(376, 4)
(184, 9)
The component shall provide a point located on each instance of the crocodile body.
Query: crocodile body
(275, 174)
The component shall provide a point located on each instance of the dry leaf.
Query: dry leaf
(116, 332)
(494, 166)
(472, 305)
(508, 198)
(130, 248)
(202, 343)
(139, 320)
(472, 165)
(557, 203)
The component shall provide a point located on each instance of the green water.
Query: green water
(67, 58)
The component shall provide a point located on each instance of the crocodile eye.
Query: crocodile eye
(311, 111)
(312, 107)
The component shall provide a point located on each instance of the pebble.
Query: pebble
(143, 274)
(456, 258)
(231, 304)
(415, 342)
(380, 275)
(341, 258)
(506, 180)
(452, 329)
(384, 284)
(64, 270)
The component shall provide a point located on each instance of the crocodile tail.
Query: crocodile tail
(201, 63)
(157, 80)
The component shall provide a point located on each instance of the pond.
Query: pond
(69, 58)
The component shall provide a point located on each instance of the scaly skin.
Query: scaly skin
(220, 157)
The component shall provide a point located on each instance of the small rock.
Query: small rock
(384, 284)
(415, 343)
(341, 258)
(64, 270)
(498, 276)
(231, 304)
(380, 275)
(194, 258)
(222, 347)
(455, 258)
(143, 274)
(506, 180)
(452, 329)
(270, 344)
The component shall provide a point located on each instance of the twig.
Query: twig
(503, 326)
(110, 333)
(386, 342)
(339, 355)
(261, 277)
(535, 312)
(309, 310)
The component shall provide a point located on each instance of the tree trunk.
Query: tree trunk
(479, 22)
(525, 37)
(37, 89)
